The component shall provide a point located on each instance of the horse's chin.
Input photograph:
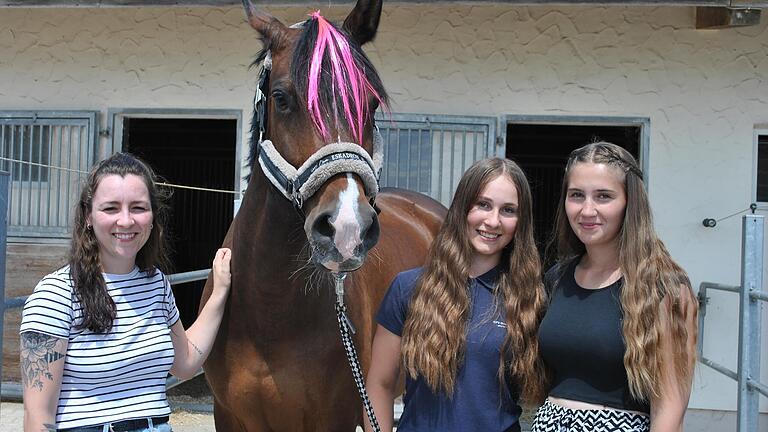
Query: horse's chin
(346, 266)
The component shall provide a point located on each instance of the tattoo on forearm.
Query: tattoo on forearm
(199, 351)
(38, 351)
(49, 428)
(195, 347)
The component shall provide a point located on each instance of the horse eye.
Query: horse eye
(282, 101)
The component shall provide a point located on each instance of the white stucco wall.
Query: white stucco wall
(704, 91)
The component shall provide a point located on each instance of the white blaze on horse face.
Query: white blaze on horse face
(347, 221)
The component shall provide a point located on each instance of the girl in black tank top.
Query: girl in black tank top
(619, 336)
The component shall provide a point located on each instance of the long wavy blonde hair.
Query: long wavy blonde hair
(434, 333)
(656, 295)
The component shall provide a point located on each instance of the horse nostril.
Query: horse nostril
(371, 235)
(323, 227)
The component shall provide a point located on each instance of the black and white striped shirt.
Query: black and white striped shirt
(112, 376)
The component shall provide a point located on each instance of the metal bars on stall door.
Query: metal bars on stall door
(750, 293)
(46, 154)
(429, 153)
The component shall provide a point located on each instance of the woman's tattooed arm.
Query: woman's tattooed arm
(42, 368)
(38, 351)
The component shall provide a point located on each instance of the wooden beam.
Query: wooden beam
(222, 3)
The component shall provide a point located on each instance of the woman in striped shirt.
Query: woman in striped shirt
(99, 336)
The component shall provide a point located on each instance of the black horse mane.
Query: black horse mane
(300, 64)
(253, 146)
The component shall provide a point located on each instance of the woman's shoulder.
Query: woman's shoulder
(153, 272)
(59, 278)
(403, 285)
(55, 288)
(555, 273)
(410, 274)
(407, 279)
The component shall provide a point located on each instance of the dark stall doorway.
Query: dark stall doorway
(542, 150)
(190, 152)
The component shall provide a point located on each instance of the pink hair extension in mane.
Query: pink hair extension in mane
(346, 77)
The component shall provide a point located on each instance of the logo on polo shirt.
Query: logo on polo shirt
(500, 324)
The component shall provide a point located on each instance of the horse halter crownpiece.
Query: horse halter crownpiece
(299, 184)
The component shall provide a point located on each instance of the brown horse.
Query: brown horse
(278, 363)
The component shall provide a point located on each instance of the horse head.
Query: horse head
(314, 133)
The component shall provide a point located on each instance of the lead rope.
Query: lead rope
(347, 329)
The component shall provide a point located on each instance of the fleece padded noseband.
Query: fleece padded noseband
(298, 185)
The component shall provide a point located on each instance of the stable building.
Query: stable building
(682, 85)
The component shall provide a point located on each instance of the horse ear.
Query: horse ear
(363, 21)
(267, 25)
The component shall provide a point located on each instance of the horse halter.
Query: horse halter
(299, 184)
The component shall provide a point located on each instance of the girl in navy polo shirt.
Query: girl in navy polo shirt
(464, 327)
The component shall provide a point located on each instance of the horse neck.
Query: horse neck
(270, 243)
(268, 223)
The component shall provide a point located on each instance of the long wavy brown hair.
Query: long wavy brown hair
(84, 261)
(434, 333)
(653, 283)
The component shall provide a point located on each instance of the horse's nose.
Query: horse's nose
(350, 235)
(322, 228)
(370, 231)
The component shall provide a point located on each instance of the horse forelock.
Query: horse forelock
(333, 76)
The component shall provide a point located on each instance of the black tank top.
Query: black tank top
(581, 341)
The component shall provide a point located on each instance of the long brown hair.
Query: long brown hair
(435, 329)
(84, 261)
(653, 282)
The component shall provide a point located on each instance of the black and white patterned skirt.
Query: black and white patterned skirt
(551, 417)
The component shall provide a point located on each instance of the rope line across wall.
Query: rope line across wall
(178, 186)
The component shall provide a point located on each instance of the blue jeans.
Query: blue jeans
(165, 427)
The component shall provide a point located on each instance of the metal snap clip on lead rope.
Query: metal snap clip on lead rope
(339, 277)
(345, 328)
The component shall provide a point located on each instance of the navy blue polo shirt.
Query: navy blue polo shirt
(478, 404)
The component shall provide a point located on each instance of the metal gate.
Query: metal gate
(45, 154)
(429, 153)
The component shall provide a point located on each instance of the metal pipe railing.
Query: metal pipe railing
(703, 301)
(750, 326)
(190, 276)
(720, 287)
(758, 295)
(757, 385)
